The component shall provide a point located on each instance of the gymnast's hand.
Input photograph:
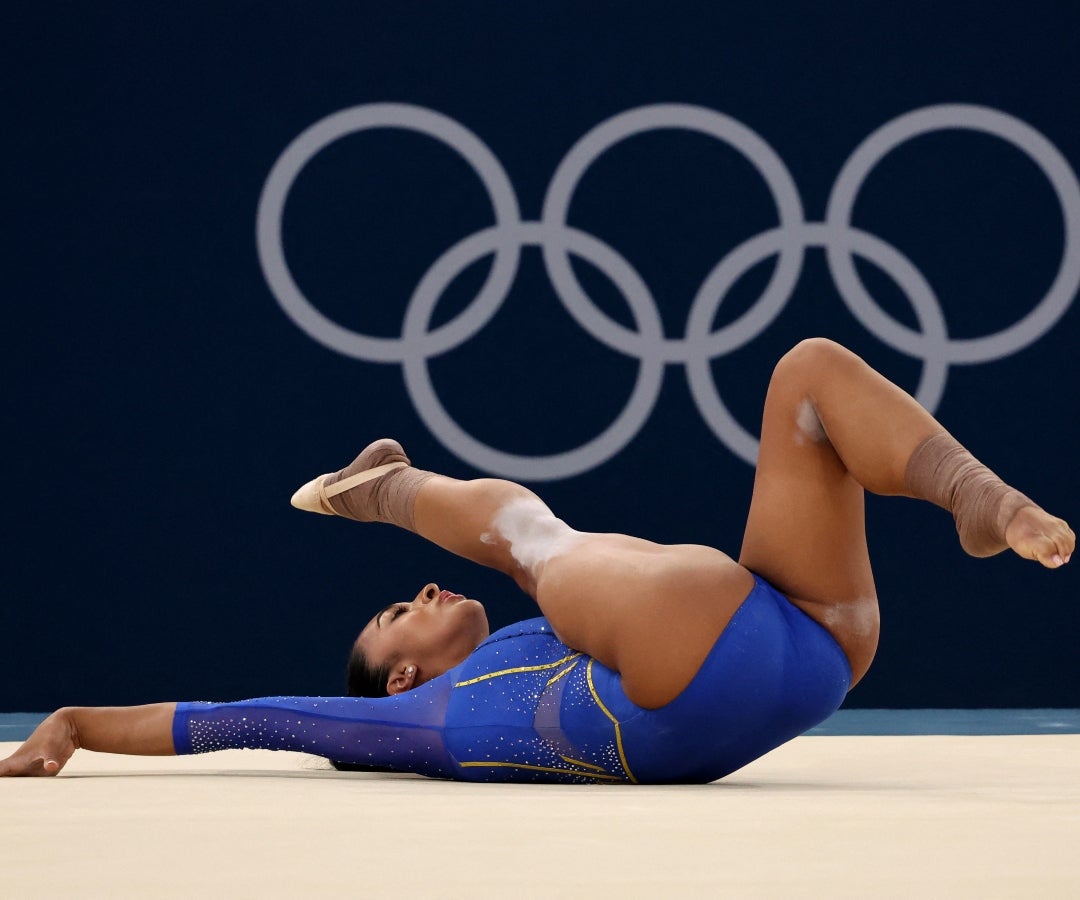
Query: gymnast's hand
(47, 750)
(1035, 534)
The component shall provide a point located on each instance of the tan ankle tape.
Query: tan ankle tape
(340, 487)
(942, 471)
(397, 499)
(390, 499)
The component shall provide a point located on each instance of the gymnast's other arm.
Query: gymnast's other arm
(136, 730)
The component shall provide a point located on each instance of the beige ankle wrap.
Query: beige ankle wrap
(388, 497)
(942, 471)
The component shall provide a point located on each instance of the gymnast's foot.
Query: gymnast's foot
(378, 486)
(989, 514)
(1035, 534)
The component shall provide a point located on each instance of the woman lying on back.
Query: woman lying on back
(651, 663)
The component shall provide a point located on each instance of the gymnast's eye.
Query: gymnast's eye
(398, 610)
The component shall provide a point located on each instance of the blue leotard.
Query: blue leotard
(525, 707)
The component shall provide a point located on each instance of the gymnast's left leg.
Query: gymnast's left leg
(381, 485)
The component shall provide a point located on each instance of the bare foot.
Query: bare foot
(1035, 534)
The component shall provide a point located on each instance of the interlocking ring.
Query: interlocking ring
(558, 241)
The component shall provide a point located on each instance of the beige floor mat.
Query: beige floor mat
(875, 817)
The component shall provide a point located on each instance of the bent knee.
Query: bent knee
(809, 360)
(814, 353)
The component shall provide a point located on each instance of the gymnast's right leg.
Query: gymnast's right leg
(890, 445)
(833, 427)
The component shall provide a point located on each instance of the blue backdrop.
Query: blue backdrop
(562, 241)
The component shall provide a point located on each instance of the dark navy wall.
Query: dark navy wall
(162, 405)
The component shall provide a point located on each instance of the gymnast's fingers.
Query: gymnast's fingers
(21, 763)
(45, 752)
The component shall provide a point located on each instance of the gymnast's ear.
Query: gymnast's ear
(401, 678)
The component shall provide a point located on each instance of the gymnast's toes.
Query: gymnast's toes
(1035, 534)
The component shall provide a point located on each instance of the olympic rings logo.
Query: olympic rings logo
(558, 241)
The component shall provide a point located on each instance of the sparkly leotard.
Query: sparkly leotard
(525, 707)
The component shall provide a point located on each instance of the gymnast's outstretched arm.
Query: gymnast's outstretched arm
(135, 730)
(405, 734)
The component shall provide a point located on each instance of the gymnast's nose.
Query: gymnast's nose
(429, 593)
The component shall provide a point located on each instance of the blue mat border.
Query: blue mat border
(17, 726)
(950, 721)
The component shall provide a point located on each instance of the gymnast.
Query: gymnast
(651, 663)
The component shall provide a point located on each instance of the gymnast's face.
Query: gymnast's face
(422, 639)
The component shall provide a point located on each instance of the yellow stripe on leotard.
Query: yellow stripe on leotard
(579, 762)
(599, 774)
(530, 768)
(565, 671)
(614, 721)
(551, 665)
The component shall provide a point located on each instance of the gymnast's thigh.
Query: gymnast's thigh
(650, 612)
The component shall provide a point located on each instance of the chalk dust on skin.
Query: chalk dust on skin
(862, 618)
(809, 424)
(532, 532)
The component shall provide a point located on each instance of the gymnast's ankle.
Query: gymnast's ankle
(380, 485)
(942, 471)
(388, 498)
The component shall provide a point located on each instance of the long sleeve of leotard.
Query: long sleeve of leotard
(405, 733)
(522, 707)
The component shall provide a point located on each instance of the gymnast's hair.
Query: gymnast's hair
(363, 680)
